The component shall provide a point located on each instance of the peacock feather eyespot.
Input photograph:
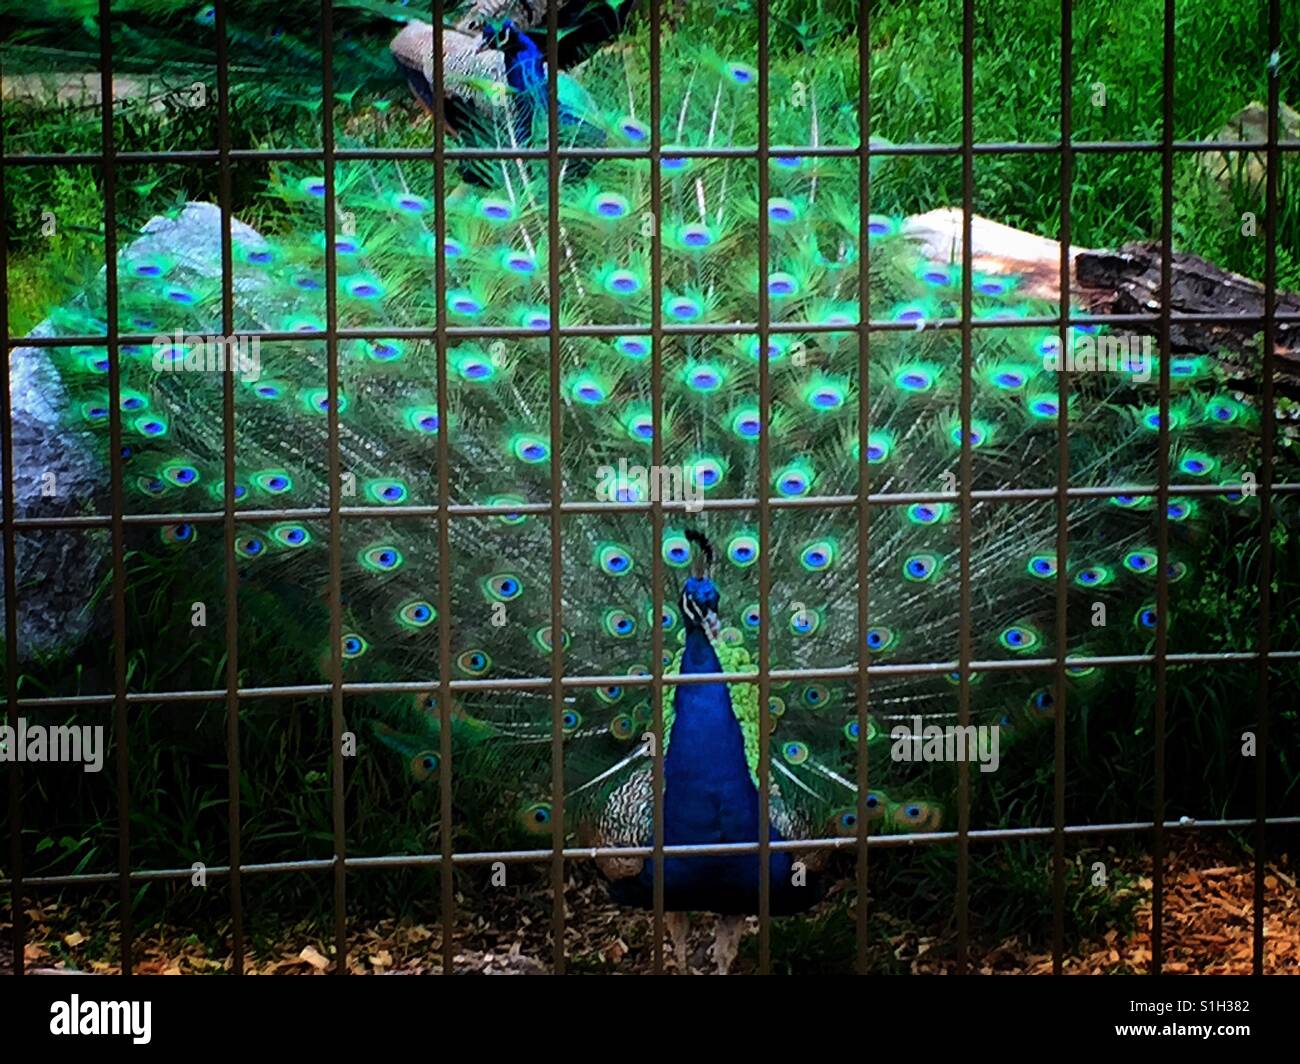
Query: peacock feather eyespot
(1094, 576)
(496, 210)
(473, 366)
(914, 378)
(536, 818)
(307, 282)
(1197, 464)
(257, 256)
(1145, 618)
(474, 663)
(150, 426)
(742, 550)
(746, 423)
(422, 419)
(911, 816)
(1020, 638)
(881, 638)
(290, 534)
(386, 492)
(751, 616)
(178, 535)
(409, 202)
(815, 695)
(588, 389)
(876, 804)
(424, 766)
(609, 205)
(94, 411)
(503, 587)
(677, 551)
(542, 639)
(1042, 566)
(707, 470)
(313, 187)
(852, 730)
(818, 556)
(980, 433)
(667, 620)
(384, 350)
(881, 225)
(777, 348)
(928, 513)
(269, 390)
(674, 163)
(182, 474)
(570, 721)
(354, 646)
(782, 211)
(794, 480)
(879, 447)
(1042, 703)
(464, 303)
(920, 567)
(634, 347)
(704, 377)
(621, 282)
(537, 320)
(795, 753)
(633, 129)
(508, 500)
(740, 74)
(844, 822)
(619, 624)
(304, 323)
(781, 285)
(1008, 378)
(517, 262)
(1043, 406)
(381, 558)
(151, 486)
(530, 449)
(610, 694)
(1141, 562)
(250, 546)
(805, 622)
(613, 559)
(317, 400)
(178, 294)
(272, 481)
(1132, 502)
(1180, 509)
(683, 308)
(417, 614)
(640, 426)
(362, 286)
(910, 312)
(132, 401)
(694, 236)
(622, 727)
(150, 266)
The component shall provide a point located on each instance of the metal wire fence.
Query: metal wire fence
(864, 502)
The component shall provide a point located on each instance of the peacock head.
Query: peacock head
(700, 596)
(503, 36)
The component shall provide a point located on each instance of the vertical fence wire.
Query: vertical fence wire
(1268, 429)
(446, 809)
(864, 476)
(1062, 486)
(225, 198)
(557, 480)
(18, 930)
(764, 509)
(964, 479)
(121, 717)
(335, 493)
(1162, 492)
(657, 457)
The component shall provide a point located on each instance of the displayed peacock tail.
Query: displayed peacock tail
(502, 456)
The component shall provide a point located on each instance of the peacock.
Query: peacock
(502, 460)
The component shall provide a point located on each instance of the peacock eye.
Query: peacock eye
(417, 614)
(619, 623)
(353, 646)
(914, 379)
(177, 534)
(818, 557)
(742, 550)
(751, 616)
(852, 730)
(794, 753)
(880, 638)
(695, 237)
(504, 587)
(614, 560)
(383, 559)
(535, 818)
(1042, 565)
(622, 727)
(920, 567)
(793, 482)
(782, 211)
(249, 546)
(1019, 637)
(474, 662)
(635, 347)
(677, 551)
(570, 720)
(815, 694)
(782, 284)
(530, 449)
(805, 622)
(386, 492)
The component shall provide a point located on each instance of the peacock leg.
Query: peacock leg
(679, 930)
(726, 942)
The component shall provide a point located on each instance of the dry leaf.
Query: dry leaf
(75, 939)
(314, 957)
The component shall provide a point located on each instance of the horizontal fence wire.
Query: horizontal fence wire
(442, 333)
